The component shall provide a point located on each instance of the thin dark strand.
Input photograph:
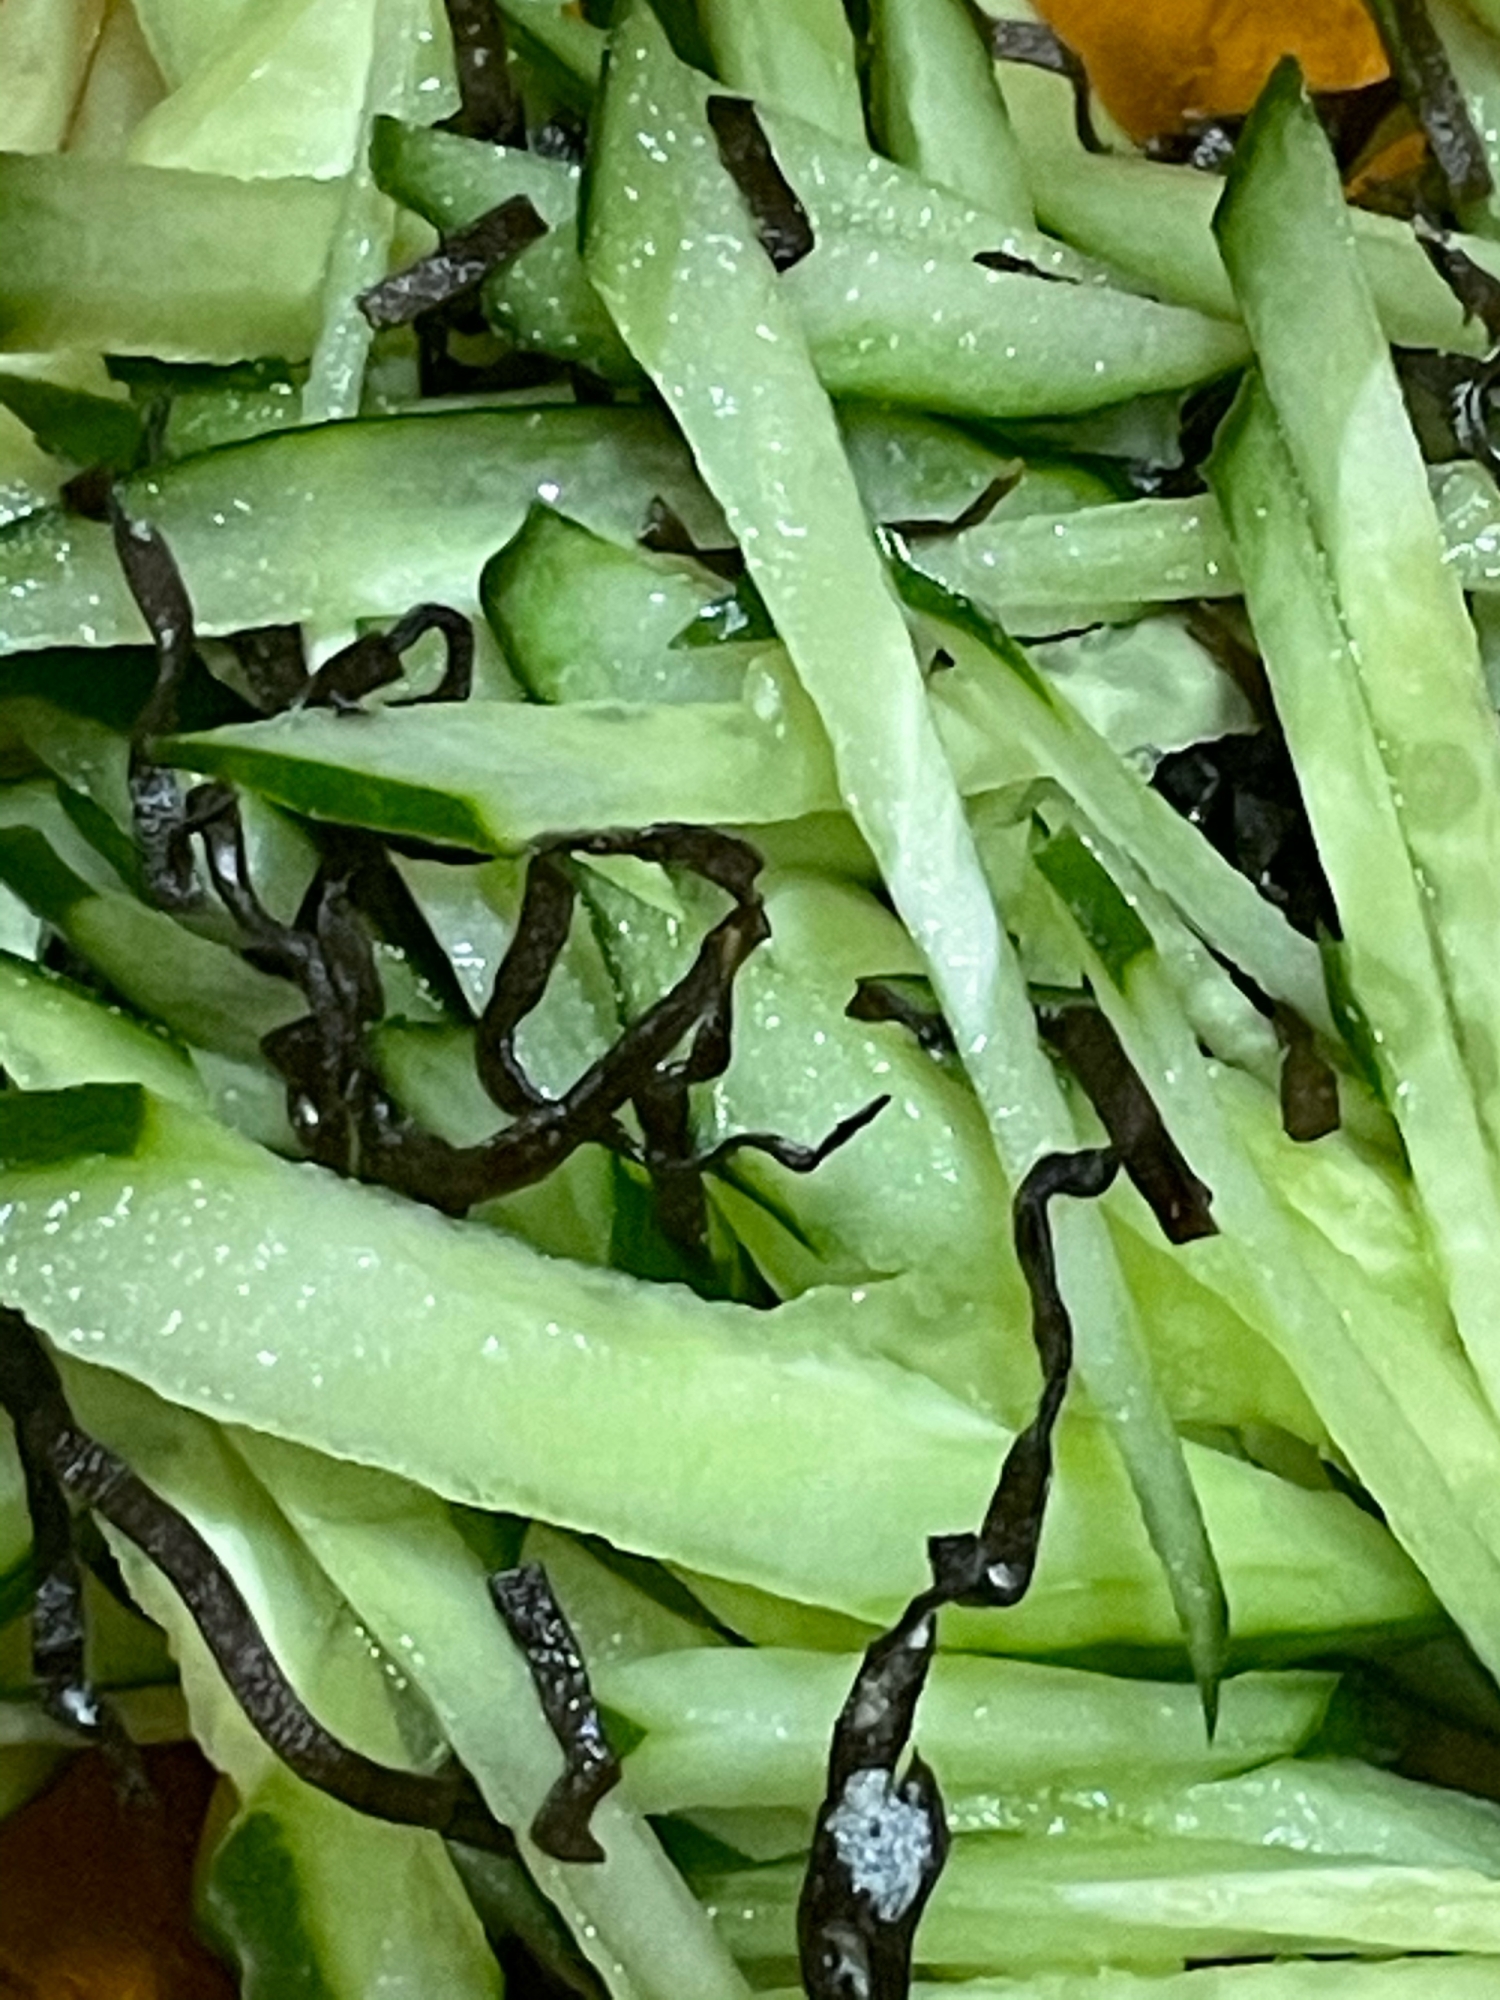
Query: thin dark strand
(1040, 47)
(979, 508)
(536, 1622)
(156, 584)
(1180, 1201)
(781, 221)
(490, 106)
(273, 661)
(1309, 1083)
(457, 268)
(854, 1939)
(373, 661)
(1476, 289)
(92, 1476)
(890, 1000)
(1002, 260)
(1420, 64)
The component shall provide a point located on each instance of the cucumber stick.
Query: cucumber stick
(746, 396)
(795, 53)
(340, 1317)
(1328, 375)
(1387, 946)
(937, 107)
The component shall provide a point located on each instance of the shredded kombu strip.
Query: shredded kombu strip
(456, 269)
(781, 221)
(1450, 397)
(910, 1004)
(535, 1620)
(490, 106)
(273, 660)
(1041, 47)
(984, 503)
(1179, 1200)
(1476, 289)
(1420, 65)
(1003, 260)
(66, 1460)
(156, 584)
(373, 661)
(881, 1840)
(1242, 793)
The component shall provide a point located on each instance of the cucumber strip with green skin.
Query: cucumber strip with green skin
(1328, 375)
(201, 990)
(376, 1330)
(1387, 946)
(750, 1726)
(1148, 1904)
(1154, 223)
(749, 402)
(45, 51)
(53, 1035)
(145, 260)
(1396, 1397)
(798, 54)
(335, 523)
(889, 319)
(397, 1557)
(496, 776)
(580, 618)
(937, 107)
(373, 1907)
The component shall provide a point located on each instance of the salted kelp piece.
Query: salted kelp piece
(909, 1002)
(983, 504)
(665, 533)
(92, 1476)
(1309, 1083)
(880, 1841)
(156, 584)
(1041, 47)
(273, 660)
(1476, 289)
(490, 106)
(1420, 65)
(373, 661)
(457, 268)
(1242, 793)
(1090, 1047)
(1351, 119)
(781, 221)
(535, 1620)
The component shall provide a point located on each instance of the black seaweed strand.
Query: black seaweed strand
(93, 1477)
(1420, 65)
(881, 1840)
(1040, 47)
(1083, 1037)
(456, 269)
(781, 221)
(156, 584)
(490, 106)
(535, 1620)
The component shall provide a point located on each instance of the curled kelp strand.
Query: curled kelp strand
(273, 661)
(981, 506)
(1420, 65)
(1087, 1043)
(535, 1620)
(1040, 47)
(881, 1840)
(457, 268)
(1476, 289)
(490, 106)
(156, 584)
(93, 1476)
(373, 661)
(781, 222)
(911, 1004)
(1006, 260)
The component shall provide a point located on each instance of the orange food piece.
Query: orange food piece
(95, 1894)
(1158, 63)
